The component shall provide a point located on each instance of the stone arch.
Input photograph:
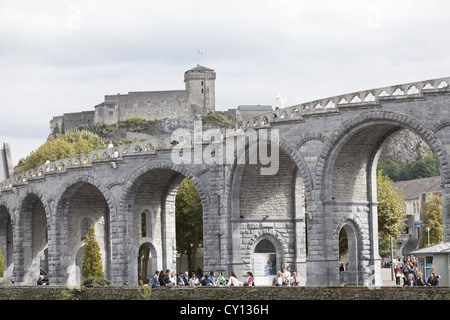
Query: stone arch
(281, 258)
(234, 176)
(129, 184)
(441, 124)
(285, 204)
(81, 198)
(32, 229)
(400, 121)
(165, 178)
(308, 137)
(45, 201)
(270, 234)
(90, 180)
(154, 254)
(346, 179)
(309, 146)
(355, 248)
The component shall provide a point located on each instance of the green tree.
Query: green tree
(92, 266)
(2, 265)
(432, 219)
(391, 213)
(85, 139)
(67, 145)
(399, 171)
(189, 221)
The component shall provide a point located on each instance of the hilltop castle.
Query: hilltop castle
(198, 98)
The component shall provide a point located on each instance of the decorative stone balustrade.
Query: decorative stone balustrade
(361, 99)
(138, 148)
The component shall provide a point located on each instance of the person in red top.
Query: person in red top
(294, 280)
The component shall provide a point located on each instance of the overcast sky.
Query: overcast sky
(63, 56)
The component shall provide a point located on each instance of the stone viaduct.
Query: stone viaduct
(326, 180)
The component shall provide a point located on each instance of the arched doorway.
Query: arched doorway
(348, 256)
(265, 262)
(147, 262)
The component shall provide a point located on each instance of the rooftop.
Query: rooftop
(199, 68)
(412, 189)
(255, 108)
(443, 247)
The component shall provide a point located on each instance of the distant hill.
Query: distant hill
(406, 157)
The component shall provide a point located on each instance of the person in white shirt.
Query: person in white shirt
(233, 281)
(279, 280)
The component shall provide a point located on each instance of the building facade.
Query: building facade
(415, 192)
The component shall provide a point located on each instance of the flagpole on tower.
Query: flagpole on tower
(199, 53)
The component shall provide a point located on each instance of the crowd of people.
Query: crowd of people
(197, 278)
(406, 269)
(406, 272)
(168, 278)
(284, 277)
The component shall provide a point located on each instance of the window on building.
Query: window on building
(85, 224)
(144, 224)
(111, 113)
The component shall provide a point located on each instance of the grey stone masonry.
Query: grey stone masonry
(325, 182)
(197, 98)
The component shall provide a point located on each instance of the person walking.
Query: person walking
(398, 275)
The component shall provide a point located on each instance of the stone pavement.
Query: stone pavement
(386, 278)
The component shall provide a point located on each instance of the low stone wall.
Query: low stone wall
(225, 293)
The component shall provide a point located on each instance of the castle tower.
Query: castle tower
(200, 82)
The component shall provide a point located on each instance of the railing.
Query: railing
(359, 99)
(143, 147)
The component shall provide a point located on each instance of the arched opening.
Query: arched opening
(189, 228)
(409, 163)
(146, 262)
(81, 206)
(265, 263)
(34, 244)
(151, 202)
(349, 189)
(6, 242)
(273, 202)
(348, 256)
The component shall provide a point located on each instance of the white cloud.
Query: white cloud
(64, 56)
